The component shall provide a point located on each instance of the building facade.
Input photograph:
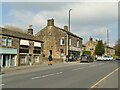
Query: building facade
(110, 51)
(91, 45)
(18, 48)
(56, 41)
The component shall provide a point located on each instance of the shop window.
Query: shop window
(24, 49)
(37, 50)
(22, 59)
(36, 59)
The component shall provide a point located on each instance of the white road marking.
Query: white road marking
(104, 78)
(47, 75)
(2, 84)
(77, 69)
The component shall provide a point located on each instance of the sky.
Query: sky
(88, 19)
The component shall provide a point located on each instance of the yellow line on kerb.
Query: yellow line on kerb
(104, 78)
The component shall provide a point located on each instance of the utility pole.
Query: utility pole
(108, 37)
(107, 45)
(69, 35)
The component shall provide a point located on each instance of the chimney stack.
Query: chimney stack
(30, 30)
(90, 38)
(50, 22)
(66, 28)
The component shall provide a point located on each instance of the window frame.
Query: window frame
(5, 42)
(62, 41)
(9, 43)
(78, 43)
(70, 41)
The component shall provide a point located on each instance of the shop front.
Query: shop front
(8, 57)
(74, 53)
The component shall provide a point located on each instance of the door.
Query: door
(50, 52)
(4, 60)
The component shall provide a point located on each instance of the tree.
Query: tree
(86, 53)
(117, 48)
(100, 49)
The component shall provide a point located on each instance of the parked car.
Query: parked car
(118, 58)
(104, 58)
(99, 58)
(86, 58)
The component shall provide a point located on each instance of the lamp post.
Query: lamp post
(69, 18)
(68, 35)
(107, 42)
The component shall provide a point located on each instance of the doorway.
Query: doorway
(4, 60)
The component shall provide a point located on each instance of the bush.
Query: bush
(86, 53)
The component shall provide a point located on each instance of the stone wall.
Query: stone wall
(51, 37)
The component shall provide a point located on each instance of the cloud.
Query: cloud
(59, 0)
(0, 14)
(87, 19)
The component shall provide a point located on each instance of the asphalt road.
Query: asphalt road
(99, 74)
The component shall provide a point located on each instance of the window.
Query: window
(70, 42)
(37, 50)
(3, 41)
(36, 59)
(9, 42)
(78, 43)
(24, 49)
(61, 50)
(91, 49)
(62, 41)
(23, 59)
(50, 51)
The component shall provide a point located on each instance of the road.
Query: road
(99, 74)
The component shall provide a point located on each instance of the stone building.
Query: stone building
(109, 50)
(90, 46)
(18, 48)
(56, 41)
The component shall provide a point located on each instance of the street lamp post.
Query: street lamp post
(69, 36)
(69, 18)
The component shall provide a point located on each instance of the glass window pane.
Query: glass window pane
(62, 42)
(9, 42)
(3, 41)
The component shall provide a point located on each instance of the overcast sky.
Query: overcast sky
(88, 19)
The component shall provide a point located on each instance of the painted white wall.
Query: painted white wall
(37, 44)
(24, 42)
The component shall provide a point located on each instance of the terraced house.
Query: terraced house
(56, 42)
(91, 45)
(18, 48)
